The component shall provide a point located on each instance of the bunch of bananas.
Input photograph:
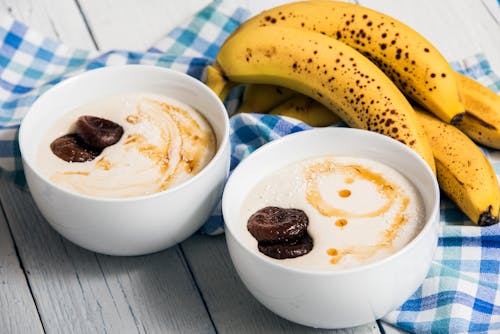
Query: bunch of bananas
(319, 61)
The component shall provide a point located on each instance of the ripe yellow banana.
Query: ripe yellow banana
(217, 82)
(306, 110)
(463, 172)
(262, 98)
(481, 121)
(329, 71)
(411, 61)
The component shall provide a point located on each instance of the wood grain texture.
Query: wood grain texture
(54, 18)
(78, 291)
(457, 28)
(258, 6)
(135, 25)
(233, 309)
(493, 8)
(18, 310)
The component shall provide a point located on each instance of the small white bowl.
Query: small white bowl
(137, 225)
(342, 298)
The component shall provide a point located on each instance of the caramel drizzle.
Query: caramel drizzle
(75, 173)
(341, 222)
(133, 119)
(193, 141)
(103, 164)
(363, 252)
(384, 187)
(314, 197)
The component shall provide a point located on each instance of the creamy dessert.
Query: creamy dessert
(162, 143)
(352, 211)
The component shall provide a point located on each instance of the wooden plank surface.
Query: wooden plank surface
(135, 25)
(78, 291)
(54, 18)
(232, 308)
(81, 292)
(493, 8)
(188, 288)
(18, 313)
(458, 28)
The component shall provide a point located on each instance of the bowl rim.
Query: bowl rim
(429, 223)
(22, 137)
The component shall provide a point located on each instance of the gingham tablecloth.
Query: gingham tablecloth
(460, 293)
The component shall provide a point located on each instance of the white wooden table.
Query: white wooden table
(49, 285)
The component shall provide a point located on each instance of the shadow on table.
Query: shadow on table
(187, 288)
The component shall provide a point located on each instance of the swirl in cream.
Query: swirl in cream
(165, 142)
(359, 210)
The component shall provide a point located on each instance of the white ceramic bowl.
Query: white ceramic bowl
(341, 298)
(130, 226)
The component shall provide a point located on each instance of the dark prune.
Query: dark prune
(274, 224)
(287, 250)
(70, 148)
(98, 132)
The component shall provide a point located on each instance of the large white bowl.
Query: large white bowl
(341, 298)
(137, 225)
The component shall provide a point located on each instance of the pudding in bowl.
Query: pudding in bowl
(161, 142)
(351, 281)
(357, 210)
(124, 223)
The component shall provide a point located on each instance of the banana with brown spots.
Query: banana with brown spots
(481, 121)
(329, 71)
(463, 172)
(410, 60)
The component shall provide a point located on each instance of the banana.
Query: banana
(276, 100)
(329, 71)
(411, 61)
(262, 98)
(481, 121)
(463, 172)
(217, 82)
(306, 110)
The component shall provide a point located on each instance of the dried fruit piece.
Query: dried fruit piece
(70, 148)
(274, 224)
(98, 132)
(281, 233)
(287, 250)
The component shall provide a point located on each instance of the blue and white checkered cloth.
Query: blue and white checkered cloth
(460, 293)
